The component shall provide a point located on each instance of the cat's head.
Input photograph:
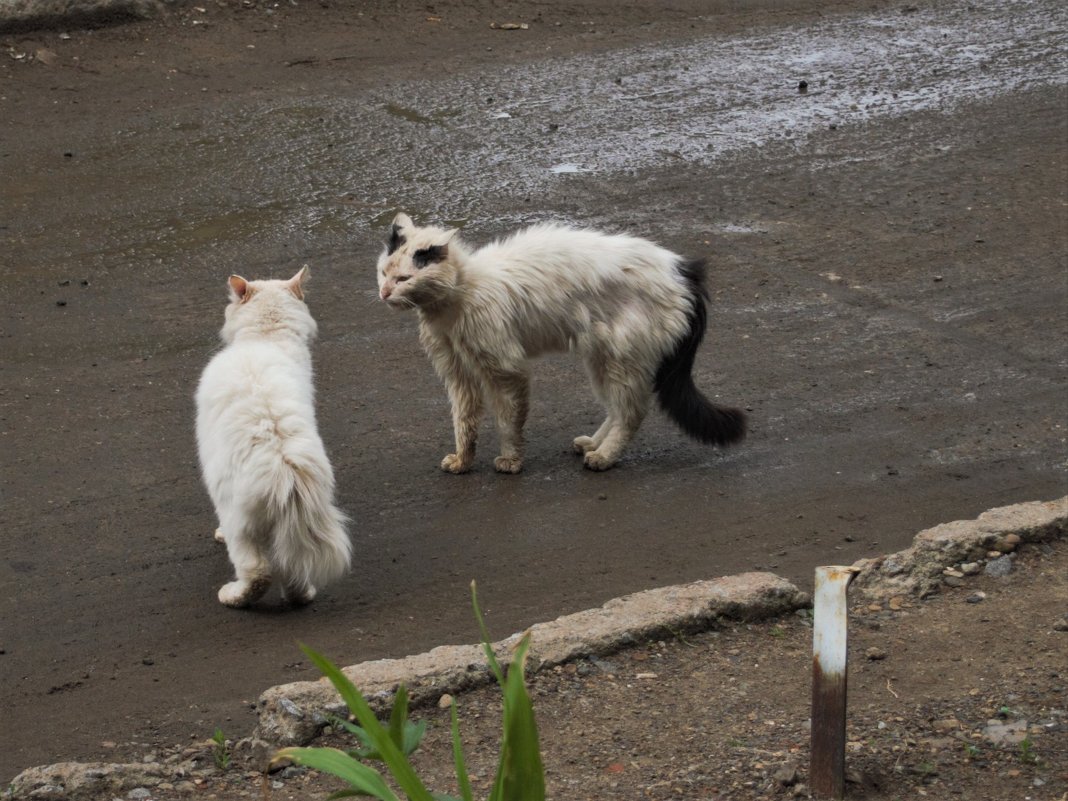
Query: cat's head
(268, 306)
(418, 267)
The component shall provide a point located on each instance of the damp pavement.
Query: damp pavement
(880, 195)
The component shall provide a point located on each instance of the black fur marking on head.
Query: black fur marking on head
(421, 258)
(396, 239)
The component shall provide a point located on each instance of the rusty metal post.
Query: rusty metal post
(830, 616)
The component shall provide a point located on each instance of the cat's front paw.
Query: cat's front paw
(508, 464)
(454, 464)
(597, 461)
(583, 445)
(219, 536)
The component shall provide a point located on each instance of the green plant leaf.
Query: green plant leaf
(521, 774)
(398, 716)
(490, 656)
(458, 757)
(380, 738)
(338, 763)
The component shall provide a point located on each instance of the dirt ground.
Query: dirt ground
(960, 695)
(889, 301)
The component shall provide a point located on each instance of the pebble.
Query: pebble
(875, 654)
(999, 568)
(949, 571)
(970, 568)
(1008, 543)
(786, 776)
(953, 581)
(139, 792)
(1061, 625)
(976, 597)
(445, 701)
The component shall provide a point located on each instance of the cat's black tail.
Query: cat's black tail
(678, 396)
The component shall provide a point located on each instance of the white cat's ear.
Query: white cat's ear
(239, 289)
(447, 238)
(296, 283)
(403, 221)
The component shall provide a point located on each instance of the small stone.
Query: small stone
(953, 581)
(946, 725)
(993, 554)
(646, 676)
(949, 571)
(1008, 543)
(875, 608)
(875, 654)
(1010, 732)
(800, 790)
(896, 603)
(786, 776)
(976, 597)
(970, 568)
(139, 792)
(999, 568)
(1061, 625)
(445, 701)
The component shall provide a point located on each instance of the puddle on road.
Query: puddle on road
(277, 172)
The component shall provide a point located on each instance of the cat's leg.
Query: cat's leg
(219, 536)
(628, 398)
(253, 571)
(466, 398)
(596, 360)
(510, 396)
(584, 445)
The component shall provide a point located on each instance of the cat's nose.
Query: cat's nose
(385, 293)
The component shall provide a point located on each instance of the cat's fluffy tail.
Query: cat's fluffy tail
(678, 396)
(310, 546)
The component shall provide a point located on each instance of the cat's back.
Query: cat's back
(253, 380)
(575, 254)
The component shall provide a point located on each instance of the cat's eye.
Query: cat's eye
(402, 278)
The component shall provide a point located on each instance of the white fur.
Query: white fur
(260, 453)
(618, 301)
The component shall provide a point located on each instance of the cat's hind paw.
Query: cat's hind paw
(597, 461)
(508, 464)
(454, 464)
(584, 445)
(299, 597)
(241, 593)
(219, 536)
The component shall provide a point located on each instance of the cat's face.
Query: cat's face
(415, 268)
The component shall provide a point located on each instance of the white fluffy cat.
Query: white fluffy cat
(260, 453)
(633, 311)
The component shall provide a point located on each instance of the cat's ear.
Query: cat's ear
(448, 235)
(297, 282)
(401, 223)
(240, 291)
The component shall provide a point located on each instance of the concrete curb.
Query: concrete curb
(19, 16)
(940, 552)
(293, 714)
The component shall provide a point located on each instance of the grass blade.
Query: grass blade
(338, 763)
(395, 760)
(490, 656)
(521, 776)
(398, 716)
(458, 758)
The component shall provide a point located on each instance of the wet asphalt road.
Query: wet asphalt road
(889, 275)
